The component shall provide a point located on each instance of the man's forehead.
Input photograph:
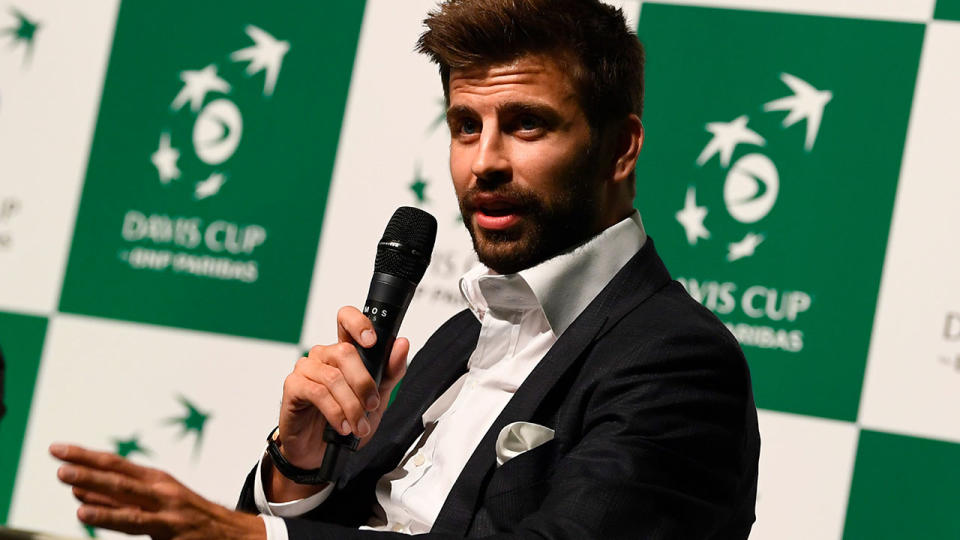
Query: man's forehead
(529, 70)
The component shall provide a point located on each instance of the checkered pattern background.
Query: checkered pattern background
(188, 192)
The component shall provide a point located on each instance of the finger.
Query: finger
(352, 325)
(345, 357)
(121, 488)
(340, 360)
(128, 519)
(393, 372)
(302, 389)
(97, 460)
(90, 497)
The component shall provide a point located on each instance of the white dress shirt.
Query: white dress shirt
(521, 316)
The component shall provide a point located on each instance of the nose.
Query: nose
(491, 165)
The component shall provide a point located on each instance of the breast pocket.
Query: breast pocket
(517, 487)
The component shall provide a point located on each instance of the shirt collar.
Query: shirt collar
(562, 286)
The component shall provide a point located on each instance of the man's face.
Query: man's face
(521, 160)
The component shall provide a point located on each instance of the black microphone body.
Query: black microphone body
(402, 258)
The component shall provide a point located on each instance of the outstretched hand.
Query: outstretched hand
(119, 495)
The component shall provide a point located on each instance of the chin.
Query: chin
(506, 254)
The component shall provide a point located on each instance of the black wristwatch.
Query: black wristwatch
(289, 470)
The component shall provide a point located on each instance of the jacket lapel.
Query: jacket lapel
(643, 275)
(433, 370)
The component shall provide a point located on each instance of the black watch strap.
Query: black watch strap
(289, 470)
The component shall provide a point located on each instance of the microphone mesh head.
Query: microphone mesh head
(407, 242)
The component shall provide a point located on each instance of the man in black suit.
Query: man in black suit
(584, 394)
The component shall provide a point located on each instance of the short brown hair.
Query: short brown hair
(608, 58)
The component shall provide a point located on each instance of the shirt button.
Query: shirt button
(419, 460)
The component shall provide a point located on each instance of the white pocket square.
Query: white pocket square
(520, 437)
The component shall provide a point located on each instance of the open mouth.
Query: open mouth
(496, 220)
(497, 210)
(496, 213)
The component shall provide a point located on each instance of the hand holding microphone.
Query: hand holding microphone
(336, 395)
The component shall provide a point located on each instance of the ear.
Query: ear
(627, 149)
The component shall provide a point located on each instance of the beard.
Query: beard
(550, 223)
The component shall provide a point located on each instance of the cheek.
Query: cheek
(460, 169)
(546, 166)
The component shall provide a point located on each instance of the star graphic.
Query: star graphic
(194, 420)
(441, 117)
(165, 160)
(209, 187)
(266, 54)
(726, 137)
(419, 186)
(125, 447)
(691, 217)
(196, 84)
(806, 103)
(745, 247)
(25, 32)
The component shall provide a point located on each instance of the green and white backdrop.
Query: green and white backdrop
(188, 191)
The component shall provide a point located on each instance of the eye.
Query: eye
(469, 126)
(528, 122)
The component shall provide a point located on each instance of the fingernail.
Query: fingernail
(58, 449)
(85, 513)
(67, 473)
(345, 428)
(368, 338)
(363, 427)
(373, 402)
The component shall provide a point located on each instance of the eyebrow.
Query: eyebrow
(512, 108)
(516, 108)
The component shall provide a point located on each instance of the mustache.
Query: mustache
(516, 197)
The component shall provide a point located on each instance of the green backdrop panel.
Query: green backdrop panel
(21, 339)
(729, 189)
(947, 9)
(904, 487)
(211, 163)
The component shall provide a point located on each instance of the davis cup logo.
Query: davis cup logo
(218, 126)
(205, 98)
(750, 189)
(752, 184)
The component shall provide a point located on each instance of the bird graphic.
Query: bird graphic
(726, 137)
(165, 160)
(691, 217)
(266, 54)
(25, 32)
(806, 103)
(196, 84)
(745, 247)
(209, 187)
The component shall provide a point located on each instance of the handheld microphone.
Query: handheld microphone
(403, 254)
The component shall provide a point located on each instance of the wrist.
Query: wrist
(280, 489)
(295, 472)
(240, 526)
(284, 481)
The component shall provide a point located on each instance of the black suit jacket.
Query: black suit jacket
(655, 429)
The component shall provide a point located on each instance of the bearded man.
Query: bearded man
(583, 394)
